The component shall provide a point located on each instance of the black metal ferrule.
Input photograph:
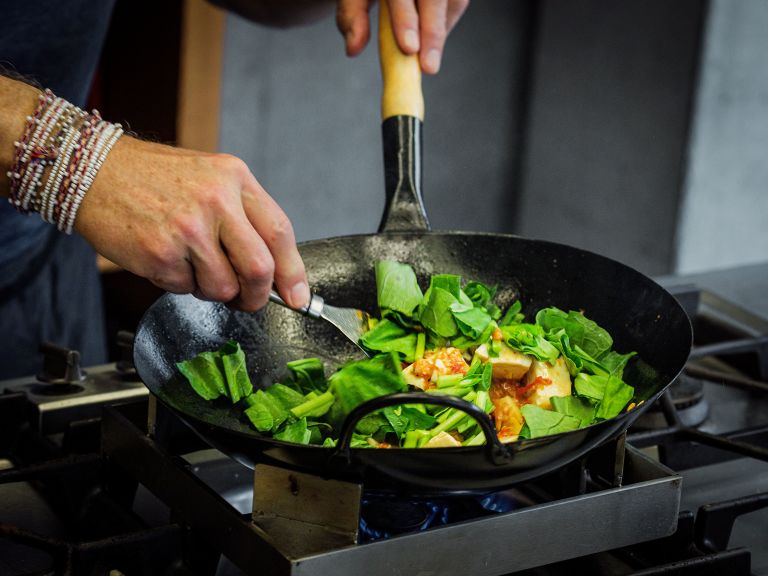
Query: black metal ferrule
(404, 207)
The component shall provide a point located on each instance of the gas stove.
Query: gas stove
(96, 477)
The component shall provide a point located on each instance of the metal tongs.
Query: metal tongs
(351, 322)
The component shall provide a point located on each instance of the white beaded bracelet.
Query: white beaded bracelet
(57, 159)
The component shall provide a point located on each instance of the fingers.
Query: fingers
(275, 230)
(252, 263)
(456, 9)
(214, 277)
(405, 24)
(436, 19)
(353, 23)
(420, 26)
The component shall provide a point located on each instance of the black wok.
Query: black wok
(639, 314)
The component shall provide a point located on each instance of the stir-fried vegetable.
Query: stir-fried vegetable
(553, 375)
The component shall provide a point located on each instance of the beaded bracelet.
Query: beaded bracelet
(57, 159)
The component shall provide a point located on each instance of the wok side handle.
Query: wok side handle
(402, 112)
(495, 451)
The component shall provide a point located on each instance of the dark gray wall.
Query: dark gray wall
(306, 119)
(608, 126)
(725, 207)
(563, 120)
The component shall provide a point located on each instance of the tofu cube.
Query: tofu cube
(547, 380)
(508, 365)
(442, 440)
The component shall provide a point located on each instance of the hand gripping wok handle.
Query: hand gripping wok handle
(402, 112)
(314, 309)
(495, 451)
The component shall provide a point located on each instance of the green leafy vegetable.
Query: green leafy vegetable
(575, 406)
(296, 432)
(512, 315)
(540, 422)
(582, 331)
(308, 374)
(269, 409)
(397, 287)
(436, 315)
(205, 375)
(362, 380)
(235, 371)
(611, 394)
(614, 363)
(220, 373)
(309, 408)
(529, 339)
(471, 321)
(387, 336)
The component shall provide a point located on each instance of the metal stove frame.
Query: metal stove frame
(640, 502)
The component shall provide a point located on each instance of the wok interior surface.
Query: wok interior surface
(639, 314)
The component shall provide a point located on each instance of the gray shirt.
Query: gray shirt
(55, 44)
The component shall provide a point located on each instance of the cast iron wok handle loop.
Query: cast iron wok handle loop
(314, 309)
(402, 113)
(495, 451)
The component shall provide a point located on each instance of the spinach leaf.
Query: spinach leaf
(308, 374)
(396, 419)
(451, 283)
(513, 314)
(529, 339)
(463, 342)
(397, 287)
(582, 331)
(573, 360)
(614, 363)
(575, 406)
(271, 407)
(387, 336)
(205, 375)
(405, 418)
(436, 314)
(263, 413)
(362, 380)
(418, 420)
(235, 371)
(284, 395)
(472, 322)
(540, 422)
(617, 395)
(371, 424)
(610, 393)
(480, 294)
(296, 432)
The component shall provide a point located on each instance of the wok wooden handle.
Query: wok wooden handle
(401, 73)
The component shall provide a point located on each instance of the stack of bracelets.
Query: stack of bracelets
(57, 159)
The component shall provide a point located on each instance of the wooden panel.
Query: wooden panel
(202, 38)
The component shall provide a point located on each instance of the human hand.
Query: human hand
(420, 26)
(192, 222)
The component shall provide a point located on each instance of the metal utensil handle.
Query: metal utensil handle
(402, 112)
(495, 451)
(314, 309)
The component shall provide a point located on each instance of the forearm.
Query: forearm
(280, 13)
(17, 101)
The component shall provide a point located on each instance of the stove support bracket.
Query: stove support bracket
(305, 514)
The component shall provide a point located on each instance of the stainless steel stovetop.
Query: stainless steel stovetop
(594, 521)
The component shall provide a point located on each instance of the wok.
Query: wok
(638, 313)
